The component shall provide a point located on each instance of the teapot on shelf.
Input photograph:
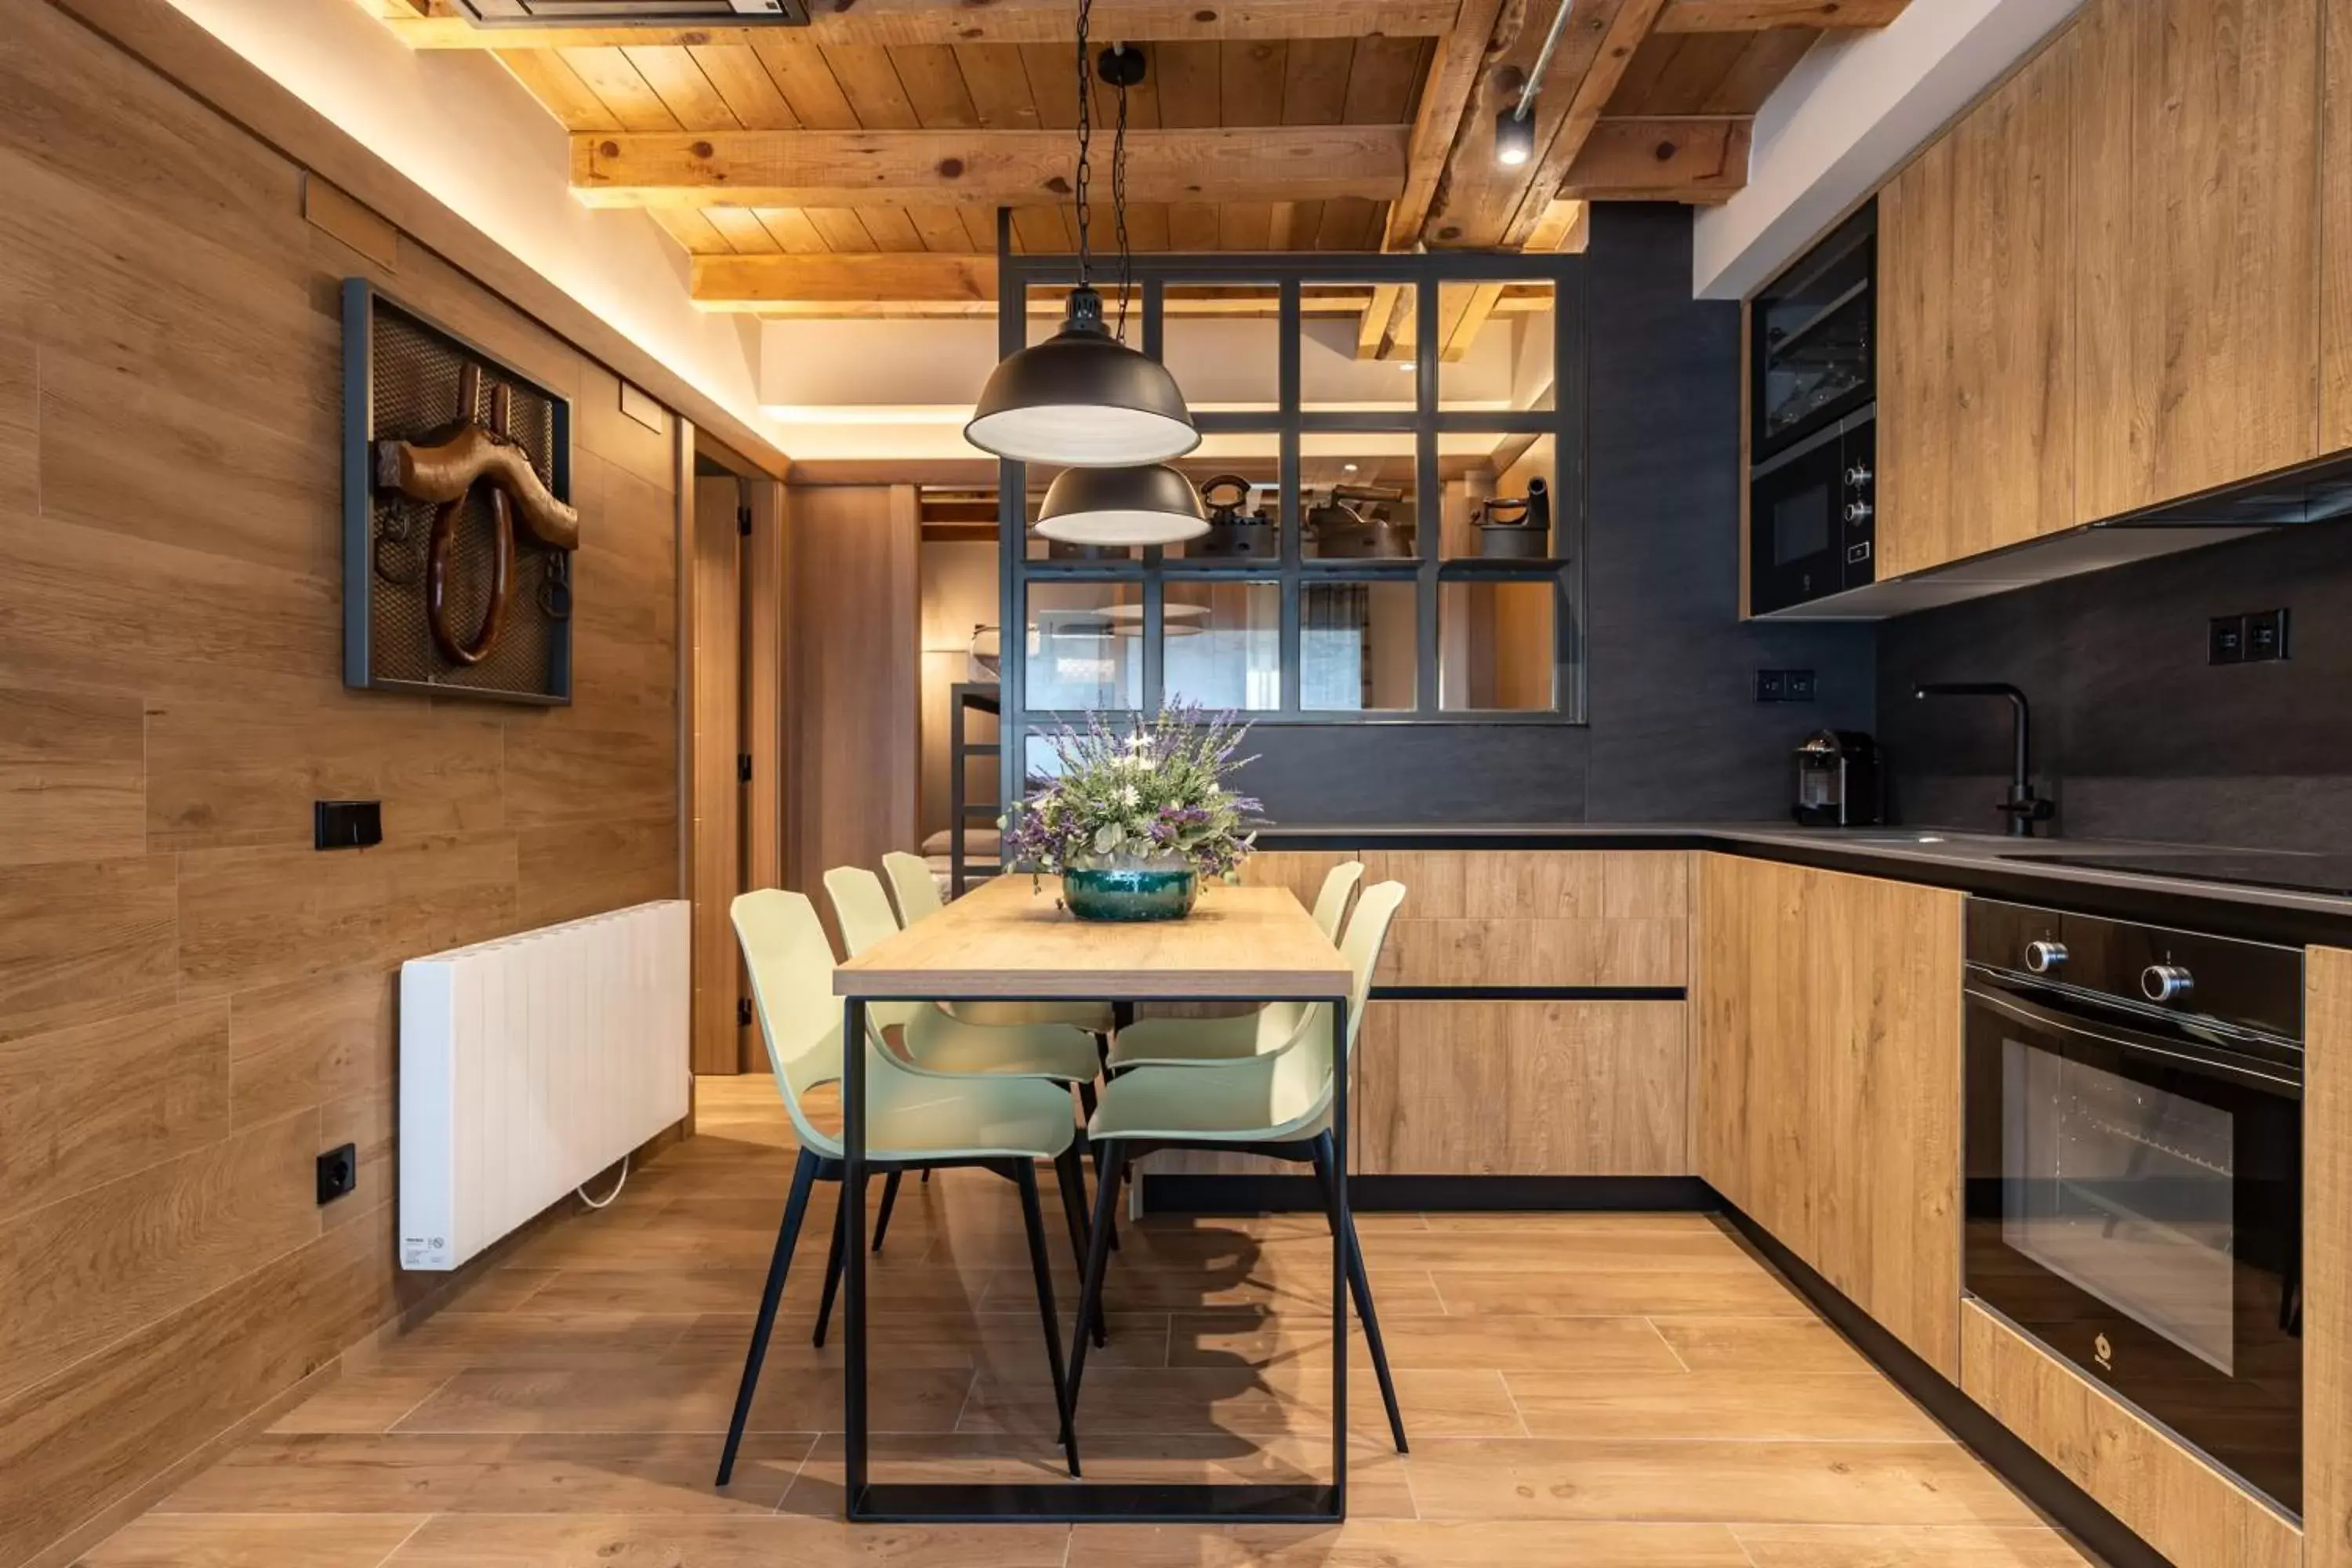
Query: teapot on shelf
(1234, 534)
(1354, 523)
(1516, 528)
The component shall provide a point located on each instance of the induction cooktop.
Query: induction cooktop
(2330, 875)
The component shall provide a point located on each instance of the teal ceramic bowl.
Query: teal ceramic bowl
(1131, 892)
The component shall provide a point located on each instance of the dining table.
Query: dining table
(1011, 940)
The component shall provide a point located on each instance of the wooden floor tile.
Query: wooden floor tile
(1361, 1544)
(168, 1540)
(1477, 1291)
(1837, 1407)
(543, 1541)
(1297, 1401)
(1759, 1344)
(1864, 1546)
(683, 1399)
(1797, 1483)
(1423, 1342)
(368, 1400)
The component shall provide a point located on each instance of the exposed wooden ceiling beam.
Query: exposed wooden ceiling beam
(1016, 168)
(1623, 25)
(761, 282)
(1690, 161)
(1760, 15)
(911, 22)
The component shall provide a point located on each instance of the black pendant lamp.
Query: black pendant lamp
(1083, 398)
(1150, 504)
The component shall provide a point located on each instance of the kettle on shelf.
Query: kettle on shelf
(1516, 528)
(1353, 524)
(1234, 534)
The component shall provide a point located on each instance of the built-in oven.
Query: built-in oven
(1812, 520)
(2133, 1162)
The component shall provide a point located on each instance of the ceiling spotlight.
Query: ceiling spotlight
(1515, 134)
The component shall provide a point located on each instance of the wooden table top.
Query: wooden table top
(1003, 940)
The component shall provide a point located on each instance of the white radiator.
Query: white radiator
(529, 1064)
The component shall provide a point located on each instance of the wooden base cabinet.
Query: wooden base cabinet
(2169, 1496)
(1827, 1069)
(1523, 1088)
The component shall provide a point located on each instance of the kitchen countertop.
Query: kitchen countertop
(1985, 864)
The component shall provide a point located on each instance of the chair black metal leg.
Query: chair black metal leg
(1072, 1173)
(1360, 1285)
(1024, 1176)
(796, 1208)
(1112, 1159)
(890, 1200)
(832, 1261)
(927, 1175)
(1087, 1099)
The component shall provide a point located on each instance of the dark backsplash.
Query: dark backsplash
(1676, 733)
(2134, 735)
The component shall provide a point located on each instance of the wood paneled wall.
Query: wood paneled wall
(855, 612)
(193, 1002)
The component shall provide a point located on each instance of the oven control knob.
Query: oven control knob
(2166, 982)
(1857, 512)
(2045, 957)
(1857, 475)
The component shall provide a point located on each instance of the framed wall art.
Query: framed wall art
(458, 530)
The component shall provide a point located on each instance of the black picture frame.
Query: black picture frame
(364, 304)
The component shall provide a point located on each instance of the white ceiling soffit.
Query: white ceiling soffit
(1852, 111)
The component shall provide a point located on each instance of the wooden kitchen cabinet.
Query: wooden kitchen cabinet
(1976, 356)
(1827, 1080)
(1565, 917)
(2197, 290)
(2169, 1496)
(2327, 1259)
(1523, 1088)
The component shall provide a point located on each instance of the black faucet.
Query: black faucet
(2024, 809)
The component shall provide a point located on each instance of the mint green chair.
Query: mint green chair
(1274, 1102)
(1175, 1041)
(914, 1120)
(940, 1042)
(918, 895)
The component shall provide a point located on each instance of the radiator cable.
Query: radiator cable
(580, 1192)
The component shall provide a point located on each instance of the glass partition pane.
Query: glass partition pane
(1222, 344)
(1497, 645)
(1494, 347)
(1356, 349)
(1358, 499)
(1085, 650)
(1357, 645)
(1223, 644)
(1501, 500)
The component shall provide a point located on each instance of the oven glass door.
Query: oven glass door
(1796, 530)
(2134, 1201)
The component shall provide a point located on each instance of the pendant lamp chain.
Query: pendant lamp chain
(1119, 208)
(1085, 140)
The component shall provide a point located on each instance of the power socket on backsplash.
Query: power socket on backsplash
(2257, 637)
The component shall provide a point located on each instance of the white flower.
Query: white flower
(1130, 796)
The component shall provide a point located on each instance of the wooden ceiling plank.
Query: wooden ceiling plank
(1692, 161)
(790, 229)
(934, 86)
(739, 77)
(692, 227)
(557, 86)
(941, 229)
(1757, 15)
(1316, 73)
(625, 92)
(842, 228)
(812, 169)
(684, 91)
(741, 226)
(1189, 93)
(756, 282)
(997, 84)
(905, 22)
(1351, 222)
(799, 70)
(892, 229)
(1147, 226)
(1194, 226)
(1455, 67)
(1381, 76)
(870, 84)
(1476, 303)
(1250, 78)
(1048, 231)
(1762, 66)
(1246, 226)
(1376, 328)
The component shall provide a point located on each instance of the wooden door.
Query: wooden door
(715, 712)
(2197, 307)
(1827, 1081)
(1976, 359)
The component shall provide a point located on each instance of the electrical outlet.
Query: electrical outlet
(1772, 686)
(339, 1172)
(346, 824)
(1800, 685)
(2225, 641)
(2265, 637)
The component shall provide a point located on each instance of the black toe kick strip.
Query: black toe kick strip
(1180, 1193)
(1078, 1502)
(1529, 993)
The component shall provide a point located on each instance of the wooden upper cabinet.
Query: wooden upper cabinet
(2196, 303)
(2336, 230)
(1976, 358)
(1827, 1075)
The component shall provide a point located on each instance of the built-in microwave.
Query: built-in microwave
(1812, 522)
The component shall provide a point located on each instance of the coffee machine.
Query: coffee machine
(1838, 783)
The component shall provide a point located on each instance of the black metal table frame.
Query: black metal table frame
(1076, 1502)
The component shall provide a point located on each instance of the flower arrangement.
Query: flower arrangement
(1153, 795)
